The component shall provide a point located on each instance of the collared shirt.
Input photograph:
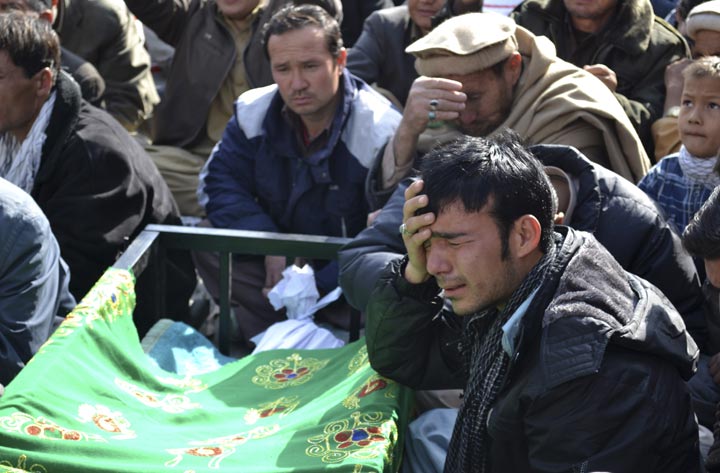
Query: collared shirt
(512, 326)
(306, 145)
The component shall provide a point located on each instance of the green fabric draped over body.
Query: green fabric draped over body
(90, 400)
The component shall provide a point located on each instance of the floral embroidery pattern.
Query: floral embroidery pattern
(280, 407)
(41, 428)
(106, 420)
(188, 383)
(374, 383)
(170, 403)
(113, 289)
(363, 436)
(291, 371)
(22, 466)
(359, 361)
(218, 449)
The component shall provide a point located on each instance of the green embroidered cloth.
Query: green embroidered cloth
(91, 401)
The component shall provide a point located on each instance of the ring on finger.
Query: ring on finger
(432, 115)
(404, 231)
(433, 104)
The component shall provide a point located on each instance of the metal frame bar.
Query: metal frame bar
(151, 245)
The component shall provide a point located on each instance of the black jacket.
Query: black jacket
(620, 216)
(596, 378)
(98, 188)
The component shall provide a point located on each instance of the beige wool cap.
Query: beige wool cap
(705, 16)
(465, 44)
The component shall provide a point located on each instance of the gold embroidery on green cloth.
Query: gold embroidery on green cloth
(362, 436)
(106, 420)
(190, 384)
(219, 448)
(22, 466)
(41, 428)
(374, 383)
(359, 361)
(111, 297)
(171, 403)
(280, 407)
(291, 371)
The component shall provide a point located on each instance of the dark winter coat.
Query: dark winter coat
(595, 381)
(98, 188)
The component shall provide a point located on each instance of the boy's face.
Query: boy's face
(699, 120)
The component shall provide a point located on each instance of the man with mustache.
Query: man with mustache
(294, 156)
(480, 72)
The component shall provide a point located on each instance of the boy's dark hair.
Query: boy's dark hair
(30, 42)
(296, 17)
(498, 170)
(701, 237)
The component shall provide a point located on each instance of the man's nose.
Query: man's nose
(298, 81)
(467, 116)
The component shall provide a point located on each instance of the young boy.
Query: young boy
(680, 183)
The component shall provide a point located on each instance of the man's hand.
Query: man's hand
(674, 82)
(714, 367)
(605, 74)
(417, 232)
(274, 266)
(449, 98)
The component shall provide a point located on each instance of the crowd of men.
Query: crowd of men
(532, 200)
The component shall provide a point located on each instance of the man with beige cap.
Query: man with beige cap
(479, 72)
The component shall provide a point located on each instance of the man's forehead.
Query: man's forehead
(306, 41)
(474, 79)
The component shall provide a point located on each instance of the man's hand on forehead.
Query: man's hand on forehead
(433, 99)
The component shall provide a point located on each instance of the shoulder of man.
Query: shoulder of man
(372, 122)
(251, 109)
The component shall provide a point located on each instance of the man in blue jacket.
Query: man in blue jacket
(294, 156)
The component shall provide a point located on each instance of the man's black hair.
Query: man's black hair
(296, 17)
(499, 171)
(702, 235)
(30, 42)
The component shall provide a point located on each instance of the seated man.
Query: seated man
(702, 239)
(479, 72)
(92, 180)
(218, 56)
(294, 156)
(591, 199)
(88, 78)
(105, 33)
(379, 55)
(621, 42)
(33, 281)
(570, 363)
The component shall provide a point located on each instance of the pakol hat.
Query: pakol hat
(705, 16)
(465, 44)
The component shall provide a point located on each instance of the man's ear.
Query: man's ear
(45, 78)
(525, 235)
(513, 68)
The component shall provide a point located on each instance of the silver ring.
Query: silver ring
(432, 115)
(404, 231)
(433, 104)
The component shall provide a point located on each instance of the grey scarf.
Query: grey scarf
(487, 364)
